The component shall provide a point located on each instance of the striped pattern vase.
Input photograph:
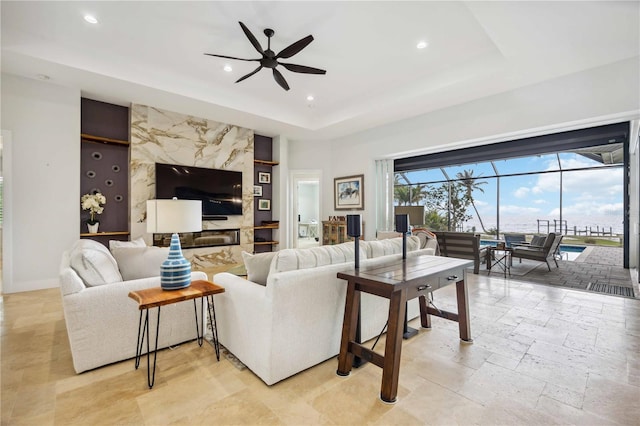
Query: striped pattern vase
(175, 272)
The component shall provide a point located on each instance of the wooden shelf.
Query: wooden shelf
(104, 234)
(99, 139)
(266, 162)
(265, 243)
(275, 226)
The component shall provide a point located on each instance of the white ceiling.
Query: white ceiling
(375, 74)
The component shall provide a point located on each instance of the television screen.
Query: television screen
(219, 190)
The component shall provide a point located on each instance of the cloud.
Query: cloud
(540, 201)
(510, 209)
(521, 192)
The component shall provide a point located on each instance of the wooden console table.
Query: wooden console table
(157, 297)
(399, 281)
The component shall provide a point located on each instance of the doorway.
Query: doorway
(306, 209)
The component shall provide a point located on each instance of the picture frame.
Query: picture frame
(264, 204)
(257, 190)
(349, 193)
(264, 177)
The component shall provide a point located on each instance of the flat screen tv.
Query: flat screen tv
(219, 190)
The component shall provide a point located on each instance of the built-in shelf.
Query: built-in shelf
(104, 234)
(274, 226)
(84, 137)
(266, 162)
(265, 243)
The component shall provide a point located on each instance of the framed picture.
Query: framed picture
(264, 204)
(257, 191)
(349, 193)
(264, 177)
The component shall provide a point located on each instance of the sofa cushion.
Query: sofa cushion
(294, 259)
(135, 243)
(377, 248)
(257, 266)
(93, 263)
(139, 262)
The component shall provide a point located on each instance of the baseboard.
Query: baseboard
(18, 287)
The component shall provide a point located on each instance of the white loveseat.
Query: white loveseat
(292, 320)
(102, 321)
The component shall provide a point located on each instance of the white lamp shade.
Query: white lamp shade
(171, 216)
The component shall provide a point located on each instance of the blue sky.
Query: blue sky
(590, 198)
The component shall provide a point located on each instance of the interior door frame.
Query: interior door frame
(296, 176)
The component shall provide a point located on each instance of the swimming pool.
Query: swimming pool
(567, 251)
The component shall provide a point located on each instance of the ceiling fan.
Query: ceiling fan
(270, 59)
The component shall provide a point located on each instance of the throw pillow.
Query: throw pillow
(135, 243)
(538, 240)
(257, 266)
(93, 263)
(139, 262)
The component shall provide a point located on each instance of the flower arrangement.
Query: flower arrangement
(93, 203)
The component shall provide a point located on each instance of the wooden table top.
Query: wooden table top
(399, 271)
(153, 297)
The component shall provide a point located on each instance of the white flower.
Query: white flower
(93, 203)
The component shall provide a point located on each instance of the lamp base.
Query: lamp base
(175, 272)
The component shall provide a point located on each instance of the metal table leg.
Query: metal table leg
(143, 331)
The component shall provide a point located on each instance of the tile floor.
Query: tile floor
(541, 355)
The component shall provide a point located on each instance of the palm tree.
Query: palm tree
(471, 183)
(409, 194)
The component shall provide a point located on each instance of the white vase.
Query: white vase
(93, 229)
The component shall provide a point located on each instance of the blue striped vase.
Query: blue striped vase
(175, 272)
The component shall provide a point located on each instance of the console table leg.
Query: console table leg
(351, 309)
(463, 311)
(425, 318)
(393, 347)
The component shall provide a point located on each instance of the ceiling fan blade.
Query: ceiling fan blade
(280, 79)
(249, 75)
(251, 38)
(303, 69)
(230, 57)
(291, 50)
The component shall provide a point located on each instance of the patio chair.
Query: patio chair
(512, 239)
(463, 245)
(542, 253)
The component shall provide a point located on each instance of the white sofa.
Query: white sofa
(102, 321)
(291, 319)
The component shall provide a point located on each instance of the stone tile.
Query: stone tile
(614, 401)
(492, 382)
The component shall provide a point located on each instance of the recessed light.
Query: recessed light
(310, 98)
(90, 19)
(422, 44)
(227, 68)
(43, 77)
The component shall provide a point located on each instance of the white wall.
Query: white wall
(601, 95)
(44, 122)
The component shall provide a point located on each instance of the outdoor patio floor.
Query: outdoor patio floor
(594, 267)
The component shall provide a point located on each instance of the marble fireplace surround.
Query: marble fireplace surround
(168, 137)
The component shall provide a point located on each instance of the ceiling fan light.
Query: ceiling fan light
(227, 68)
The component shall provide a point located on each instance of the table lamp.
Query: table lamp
(173, 216)
(354, 229)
